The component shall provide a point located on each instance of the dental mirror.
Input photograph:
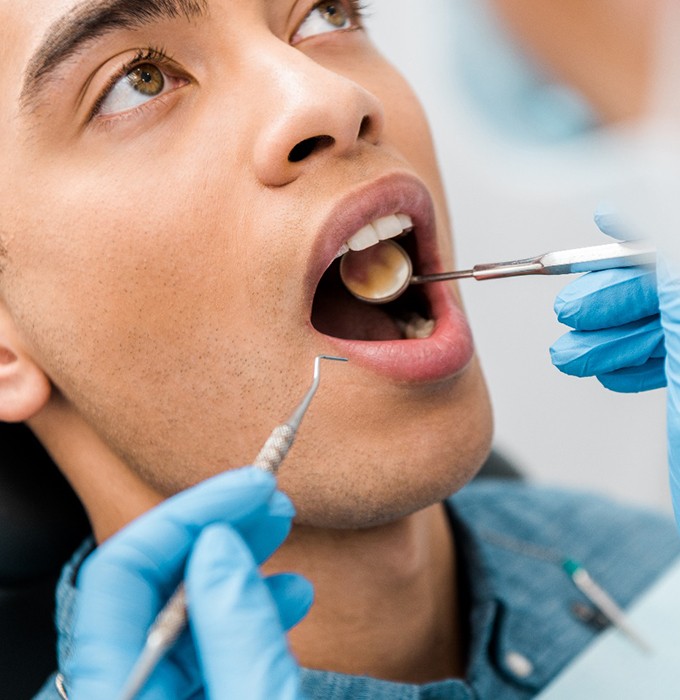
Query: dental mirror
(378, 274)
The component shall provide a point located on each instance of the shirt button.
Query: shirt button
(518, 664)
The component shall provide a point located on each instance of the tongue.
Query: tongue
(343, 316)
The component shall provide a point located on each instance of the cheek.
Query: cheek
(114, 273)
(145, 306)
(406, 124)
(408, 131)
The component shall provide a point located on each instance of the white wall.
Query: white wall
(507, 205)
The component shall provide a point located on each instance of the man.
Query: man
(180, 179)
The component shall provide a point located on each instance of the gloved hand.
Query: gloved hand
(213, 536)
(618, 336)
(627, 334)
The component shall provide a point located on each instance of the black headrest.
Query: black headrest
(41, 520)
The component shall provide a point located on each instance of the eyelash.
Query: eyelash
(157, 56)
(359, 9)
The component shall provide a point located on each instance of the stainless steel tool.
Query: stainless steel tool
(392, 273)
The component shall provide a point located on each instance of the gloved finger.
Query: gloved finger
(651, 375)
(590, 353)
(609, 222)
(241, 644)
(293, 595)
(236, 496)
(608, 298)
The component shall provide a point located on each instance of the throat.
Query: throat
(386, 600)
(342, 316)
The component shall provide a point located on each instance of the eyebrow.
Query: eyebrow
(91, 21)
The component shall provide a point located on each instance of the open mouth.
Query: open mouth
(337, 313)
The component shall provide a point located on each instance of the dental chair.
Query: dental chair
(41, 525)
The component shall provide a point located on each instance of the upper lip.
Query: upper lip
(390, 194)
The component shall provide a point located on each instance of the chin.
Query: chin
(369, 483)
(372, 502)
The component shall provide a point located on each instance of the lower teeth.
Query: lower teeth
(416, 327)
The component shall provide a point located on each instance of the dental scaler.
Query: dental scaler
(384, 272)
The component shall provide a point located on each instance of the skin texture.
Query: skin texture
(603, 47)
(154, 314)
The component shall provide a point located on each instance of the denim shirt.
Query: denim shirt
(526, 620)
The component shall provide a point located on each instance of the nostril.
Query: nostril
(365, 127)
(305, 148)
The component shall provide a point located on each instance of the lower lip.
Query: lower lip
(446, 353)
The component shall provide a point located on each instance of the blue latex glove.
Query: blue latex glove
(627, 334)
(213, 535)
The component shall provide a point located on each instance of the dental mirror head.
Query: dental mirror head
(378, 274)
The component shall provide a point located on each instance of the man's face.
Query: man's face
(178, 178)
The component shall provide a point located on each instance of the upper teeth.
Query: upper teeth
(378, 230)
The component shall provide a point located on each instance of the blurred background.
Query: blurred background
(526, 162)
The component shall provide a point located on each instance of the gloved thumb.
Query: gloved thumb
(610, 223)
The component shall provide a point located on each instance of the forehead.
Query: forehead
(24, 25)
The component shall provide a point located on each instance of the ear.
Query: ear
(24, 387)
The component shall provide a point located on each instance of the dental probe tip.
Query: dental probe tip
(299, 413)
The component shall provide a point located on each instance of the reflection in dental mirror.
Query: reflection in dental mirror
(377, 274)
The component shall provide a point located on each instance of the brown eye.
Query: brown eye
(334, 13)
(147, 79)
(326, 16)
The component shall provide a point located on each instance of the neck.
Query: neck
(110, 492)
(385, 602)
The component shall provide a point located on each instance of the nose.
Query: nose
(312, 113)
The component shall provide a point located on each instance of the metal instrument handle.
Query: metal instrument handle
(563, 262)
(275, 449)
